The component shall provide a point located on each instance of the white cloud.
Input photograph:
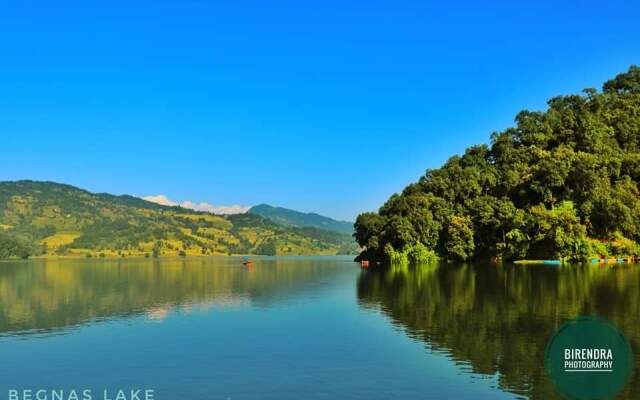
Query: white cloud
(160, 199)
(233, 209)
(202, 206)
(198, 206)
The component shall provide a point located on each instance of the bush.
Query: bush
(395, 257)
(420, 254)
(416, 254)
(598, 249)
(11, 246)
(620, 246)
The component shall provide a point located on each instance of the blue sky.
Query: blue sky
(317, 106)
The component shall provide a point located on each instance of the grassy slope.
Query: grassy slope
(58, 219)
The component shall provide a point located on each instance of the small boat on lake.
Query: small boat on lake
(533, 262)
(247, 262)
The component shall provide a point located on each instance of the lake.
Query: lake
(297, 327)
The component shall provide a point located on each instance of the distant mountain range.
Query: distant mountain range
(47, 218)
(287, 217)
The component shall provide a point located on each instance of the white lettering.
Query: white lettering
(78, 394)
(588, 354)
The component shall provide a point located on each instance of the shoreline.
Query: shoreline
(167, 257)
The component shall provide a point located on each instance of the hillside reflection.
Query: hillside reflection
(50, 296)
(496, 320)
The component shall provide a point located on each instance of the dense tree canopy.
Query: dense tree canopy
(562, 183)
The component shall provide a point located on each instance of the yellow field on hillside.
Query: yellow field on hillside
(60, 239)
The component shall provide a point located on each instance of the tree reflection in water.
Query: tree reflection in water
(498, 319)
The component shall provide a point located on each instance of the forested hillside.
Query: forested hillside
(287, 217)
(39, 218)
(562, 183)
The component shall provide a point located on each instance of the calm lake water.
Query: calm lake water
(298, 328)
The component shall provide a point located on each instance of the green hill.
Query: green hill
(562, 183)
(287, 217)
(46, 218)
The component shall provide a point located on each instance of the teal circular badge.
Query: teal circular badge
(588, 358)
